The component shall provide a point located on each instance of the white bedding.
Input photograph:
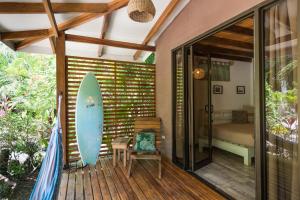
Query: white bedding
(242, 134)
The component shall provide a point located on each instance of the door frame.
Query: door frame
(260, 162)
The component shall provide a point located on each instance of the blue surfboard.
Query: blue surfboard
(89, 119)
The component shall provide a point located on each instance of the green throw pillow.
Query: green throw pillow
(145, 141)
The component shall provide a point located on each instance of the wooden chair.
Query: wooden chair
(146, 124)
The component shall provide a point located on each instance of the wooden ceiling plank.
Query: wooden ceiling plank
(166, 13)
(239, 30)
(38, 8)
(74, 22)
(113, 43)
(51, 17)
(223, 51)
(231, 57)
(230, 42)
(104, 29)
(20, 35)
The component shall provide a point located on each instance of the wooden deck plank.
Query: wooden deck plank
(168, 182)
(191, 183)
(79, 184)
(123, 180)
(63, 186)
(151, 179)
(88, 192)
(102, 182)
(95, 184)
(191, 187)
(143, 182)
(107, 182)
(121, 191)
(110, 183)
(71, 185)
(135, 187)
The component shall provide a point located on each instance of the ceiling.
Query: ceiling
(121, 28)
(234, 42)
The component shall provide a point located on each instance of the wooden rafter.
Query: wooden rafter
(239, 30)
(52, 41)
(38, 8)
(222, 51)
(212, 40)
(157, 25)
(231, 57)
(20, 35)
(74, 22)
(104, 29)
(113, 43)
(49, 11)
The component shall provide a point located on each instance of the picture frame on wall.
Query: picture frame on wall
(217, 89)
(240, 89)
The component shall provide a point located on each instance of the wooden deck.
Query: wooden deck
(107, 182)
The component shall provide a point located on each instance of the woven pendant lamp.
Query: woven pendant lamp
(141, 10)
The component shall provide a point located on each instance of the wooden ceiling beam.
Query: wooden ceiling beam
(212, 40)
(52, 41)
(49, 11)
(20, 35)
(231, 57)
(166, 13)
(38, 8)
(74, 22)
(223, 51)
(112, 43)
(239, 30)
(104, 29)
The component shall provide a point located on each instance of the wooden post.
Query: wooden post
(61, 79)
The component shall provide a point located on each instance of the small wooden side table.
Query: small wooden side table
(120, 143)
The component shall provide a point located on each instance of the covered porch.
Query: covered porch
(108, 182)
(116, 55)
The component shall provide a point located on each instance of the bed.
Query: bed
(237, 138)
(235, 133)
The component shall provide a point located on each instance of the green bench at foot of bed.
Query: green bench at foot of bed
(246, 152)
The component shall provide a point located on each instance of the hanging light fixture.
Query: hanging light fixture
(141, 10)
(198, 73)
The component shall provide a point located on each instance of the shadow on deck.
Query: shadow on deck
(108, 182)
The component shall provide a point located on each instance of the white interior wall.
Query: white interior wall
(241, 74)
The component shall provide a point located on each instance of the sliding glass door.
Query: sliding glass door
(199, 107)
(281, 97)
(191, 110)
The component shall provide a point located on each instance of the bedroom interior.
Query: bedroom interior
(228, 163)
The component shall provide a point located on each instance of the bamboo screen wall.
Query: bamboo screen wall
(128, 91)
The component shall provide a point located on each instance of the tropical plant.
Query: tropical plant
(27, 108)
(281, 102)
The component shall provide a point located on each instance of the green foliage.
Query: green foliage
(150, 59)
(5, 189)
(16, 169)
(281, 101)
(27, 106)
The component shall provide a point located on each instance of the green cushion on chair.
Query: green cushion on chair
(145, 142)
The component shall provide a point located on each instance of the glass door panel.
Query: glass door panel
(201, 111)
(281, 77)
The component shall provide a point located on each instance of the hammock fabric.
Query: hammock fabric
(48, 180)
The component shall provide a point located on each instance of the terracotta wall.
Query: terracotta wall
(197, 17)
